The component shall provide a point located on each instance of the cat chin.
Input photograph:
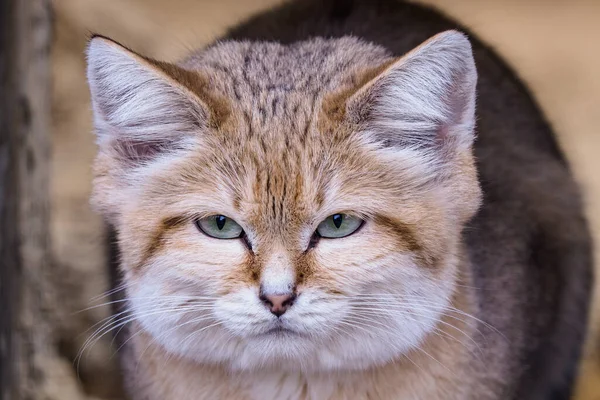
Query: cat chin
(286, 351)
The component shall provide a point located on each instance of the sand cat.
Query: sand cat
(338, 200)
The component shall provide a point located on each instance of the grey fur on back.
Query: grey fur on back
(529, 244)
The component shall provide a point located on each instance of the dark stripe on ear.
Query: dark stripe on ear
(335, 105)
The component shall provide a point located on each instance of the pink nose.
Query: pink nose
(278, 304)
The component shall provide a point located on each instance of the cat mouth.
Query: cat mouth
(280, 331)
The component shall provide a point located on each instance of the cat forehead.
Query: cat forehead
(312, 66)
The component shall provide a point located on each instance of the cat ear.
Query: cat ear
(141, 107)
(423, 101)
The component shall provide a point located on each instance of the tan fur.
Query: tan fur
(279, 160)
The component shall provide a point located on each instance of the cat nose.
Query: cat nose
(278, 304)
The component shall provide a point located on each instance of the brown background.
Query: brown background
(552, 44)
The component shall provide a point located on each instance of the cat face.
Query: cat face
(294, 207)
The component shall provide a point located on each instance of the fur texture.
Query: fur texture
(279, 136)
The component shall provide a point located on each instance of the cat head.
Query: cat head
(293, 206)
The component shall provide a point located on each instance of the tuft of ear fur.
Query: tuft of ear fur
(423, 101)
(141, 109)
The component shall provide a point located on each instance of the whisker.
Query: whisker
(186, 299)
(412, 302)
(111, 291)
(378, 312)
(436, 360)
(194, 320)
(123, 320)
(201, 330)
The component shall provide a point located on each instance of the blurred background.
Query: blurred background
(552, 44)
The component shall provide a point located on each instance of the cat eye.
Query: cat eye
(338, 226)
(219, 227)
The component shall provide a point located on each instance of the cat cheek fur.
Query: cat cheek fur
(176, 292)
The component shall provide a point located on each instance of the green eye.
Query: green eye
(338, 226)
(220, 227)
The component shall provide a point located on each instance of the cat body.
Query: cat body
(303, 211)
